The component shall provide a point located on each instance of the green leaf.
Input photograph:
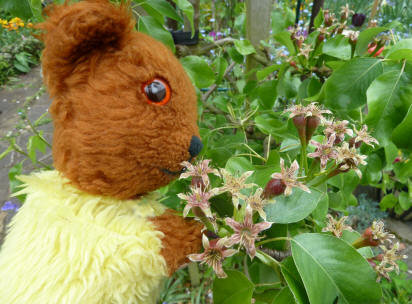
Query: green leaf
(389, 98)
(238, 165)
(35, 143)
(401, 50)
(152, 27)
(188, 10)
(267, 94)
(20, 8)
(288, 85)
(388, 201)
(36, 9)
(262, 74)
(284, 39)
(236, 288)
(365, 37)
(401, 133)
(350, 237)
(292, 277)
(262, 274)
(338, 47)
(219, 64)
(391, 152)
(14, 183)
(163, 7)
(199, 71)
(293, 208)
(403, 171)
(321, 210)
(319, 19)
(285, 296)
(404, 200)
(330, 268)
(244, 47)
(346, 88)
(235, 55)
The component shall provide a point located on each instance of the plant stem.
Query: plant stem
(303, 157)
(203, 218)
(276, 239)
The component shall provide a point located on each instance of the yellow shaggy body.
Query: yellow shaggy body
(69, 247)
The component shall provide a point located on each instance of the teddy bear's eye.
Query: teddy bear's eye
(157, 92)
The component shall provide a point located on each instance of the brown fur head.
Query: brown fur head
(108, 139)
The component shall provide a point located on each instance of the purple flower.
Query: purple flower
(9, 205)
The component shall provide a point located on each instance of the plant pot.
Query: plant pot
(185, 38)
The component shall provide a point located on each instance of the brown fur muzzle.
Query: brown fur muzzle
(108, 139)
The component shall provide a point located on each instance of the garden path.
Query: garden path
(11, 99)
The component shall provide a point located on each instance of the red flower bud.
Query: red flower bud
(366, 239)
(273, 188)
(372, 48)
(311, 126)
(300, 124)
(358, 19)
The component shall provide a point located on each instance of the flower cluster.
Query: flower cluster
(14, 24)
(336, 226)
(336, 147)
(384, 262)
(239, 230)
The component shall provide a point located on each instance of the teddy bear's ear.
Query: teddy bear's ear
(72, 31)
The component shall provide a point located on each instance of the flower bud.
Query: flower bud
(300, 124)
(273, 188)
(358, 19)
(328, 20)
(366, 239)
(311, 126)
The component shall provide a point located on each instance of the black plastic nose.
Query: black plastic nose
(195, 146)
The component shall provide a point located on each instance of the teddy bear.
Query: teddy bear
(124, 113)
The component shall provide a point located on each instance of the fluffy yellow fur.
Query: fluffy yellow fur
(96, 249)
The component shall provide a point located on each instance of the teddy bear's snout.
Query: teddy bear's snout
(195, 146)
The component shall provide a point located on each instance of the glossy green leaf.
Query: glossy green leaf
(330, 268)
(188, 11)
(389, 98)
(346, 88)
(293, 208)
(199, 71)
(401, 134)
(219, 64)
(319, 213)
(262, 74)
(238, 165)
(338, 47)
(244, 47)
(20, 8)
(365, 37)
(295, 284)
(35, 143)
(284, 39)
(388, 201)
(236, 288)
(14, 183)
(351, 236)
(404, 200)
(319, 19)
(267, 93)
(36, 9)
(162, 7)
(235, 55)
(285, 296)
(150, 26)
(401, 50)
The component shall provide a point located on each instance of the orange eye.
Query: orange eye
(157, 92)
